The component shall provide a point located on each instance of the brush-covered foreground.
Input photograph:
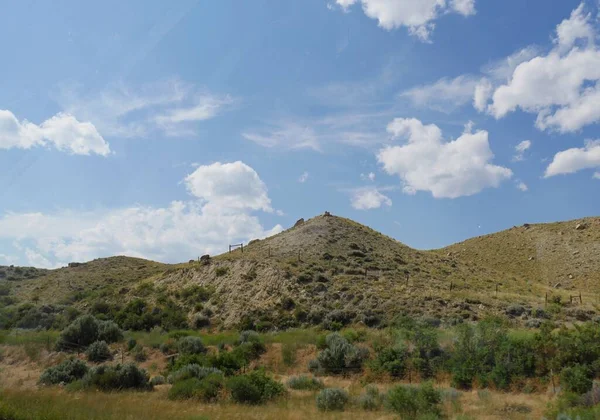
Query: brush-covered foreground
(412, 369)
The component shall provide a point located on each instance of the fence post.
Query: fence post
(496, 289)
(580, 301)
(450, 286)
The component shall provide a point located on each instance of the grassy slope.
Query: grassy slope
(523, 261)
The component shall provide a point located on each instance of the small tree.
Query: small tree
(98, 351)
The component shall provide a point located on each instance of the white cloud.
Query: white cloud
(175, 233)
(522, 186)
(287, 135)
(520, 150)
(171, 107)
(575, 159)
(229, 186)
(369, 198)
(447, 169)
(482, 94)
(370, 176)
(417, 15)
(561, 87)
(596, 175)
(445, 94)
(63, 132)
(303, 177)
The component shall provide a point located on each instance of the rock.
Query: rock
(533, 323)
(580, 226)
(557, 285)
(571, 276)
(526, 225)
(575, 252)
(205, 257)
(74, 264)
(299, 222)
(530, 258)
(327, 214)
(192, 261)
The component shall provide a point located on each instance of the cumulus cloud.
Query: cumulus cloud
(575, 159)
(62, 132)
(369, 198)
(520, 150)
(522, 186)
(370, 176)
(447, 169)
(171, 107)
(561, 87)
(177, 232)
(418, 16)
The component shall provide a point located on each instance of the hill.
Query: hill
(332, 271)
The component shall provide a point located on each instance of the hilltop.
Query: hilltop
(330, 270)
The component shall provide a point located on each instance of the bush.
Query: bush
(391, 360)
(85, 330)
(411, 401)
(253, 343)
(254, 388)
(191, 345)
(80, 333)
(109, 378)
(200, 321)
(109, 331)
(304, 382)
(66, 372)
(131, 343)
(98, 351)
(206, 389)
(332, 399)
(192, 371)
(221, 271)
(371, 399)
(139, 353)
(157, 380)
(577, 379)
(340, 356)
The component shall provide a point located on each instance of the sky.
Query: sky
(167, 130)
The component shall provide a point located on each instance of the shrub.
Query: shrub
(191, 345)
(332, 399)
(109, 331)
(157, 380)
(192, 371)
(66, 372)
(80, 333)
(221, 271)
(98, 351)
(304, 382)
(412, 401)
(206, 389)
(370, 399)
(200, 321)
(391, 360)
(288, 353)
(253, 343)
(131, 343)
(168, 347)
(109, 378)
(340, 356)
(254, 388)
(139, 353)
(578, 379)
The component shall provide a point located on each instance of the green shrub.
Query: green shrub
(79, 334)
(332, 399)
(206, 389)
(109, 331)
(252, 344)
(411, 401)
(221, 271)
(110, 378)
(157, 380)
(200, 321)
(371, 399)
(98, 351)
(288, 353)
(392, 360)
(340, 356)
(191, 345)
(304, 382)
(254, 388)
(192, 371)
(131, 343)
(139, 353)
(66, 372)
(577, 379)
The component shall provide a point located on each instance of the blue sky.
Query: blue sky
(167, 130)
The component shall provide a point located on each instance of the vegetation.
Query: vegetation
(332, 399)
(66, 372)
(304, 382)
(115, 378)
(98, 351)
(254, 388)
(339, 357)
(412, 401)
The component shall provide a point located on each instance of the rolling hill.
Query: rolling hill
(331, 270)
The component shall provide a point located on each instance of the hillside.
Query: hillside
(330, 270)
